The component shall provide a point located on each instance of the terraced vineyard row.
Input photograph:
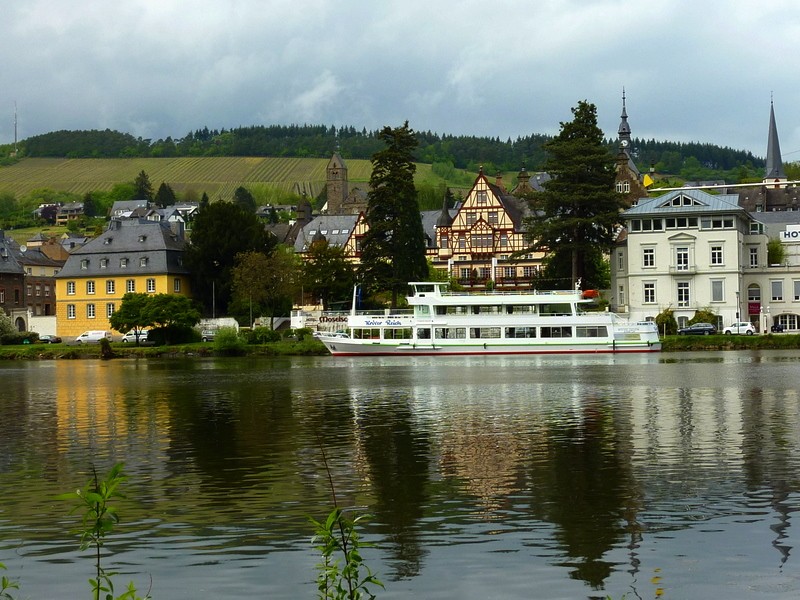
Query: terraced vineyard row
(217, 176)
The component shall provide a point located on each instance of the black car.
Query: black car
(777, 328)
(49, 339)
(698, 329)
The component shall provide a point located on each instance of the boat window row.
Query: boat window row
(550, 309)
(481, 333)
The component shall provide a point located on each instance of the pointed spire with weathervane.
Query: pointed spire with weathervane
(774, 171)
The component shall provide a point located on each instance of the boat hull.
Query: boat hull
(350, 347)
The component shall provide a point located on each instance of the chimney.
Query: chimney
(499, 181)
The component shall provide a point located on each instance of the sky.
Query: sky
(692, 70)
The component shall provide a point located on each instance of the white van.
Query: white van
(93, 337)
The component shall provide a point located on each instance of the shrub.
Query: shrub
(667, 325)
(262, 335)
(228, 343)
(14, 338)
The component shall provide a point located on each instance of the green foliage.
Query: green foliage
(172, 310)
(666, 322)
(15, 338)
(393, 250)
(220, 232)
(143, 189)
(227, 342)
(262, 335)
(703, 316)
(6, 324)
(579, 208)
(327, 276)
(6, 584)
(776, 252)
(99, 519)
(244, 199)
(342, 572)
(165, 196)
(132, 313)
(266, 282)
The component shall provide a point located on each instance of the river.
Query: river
(484, 477)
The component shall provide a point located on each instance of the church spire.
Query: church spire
(624, 131)
(774, 170)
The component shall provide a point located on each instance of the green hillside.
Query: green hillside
(217, 176)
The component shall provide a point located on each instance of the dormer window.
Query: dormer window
(107, 241)
(142, 238)
(103, 263)
(143, 261)
(123, 263)
(85, 263)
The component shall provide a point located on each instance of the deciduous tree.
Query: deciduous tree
(327, 275)
(266, 283)
(393, 250)
(221, 231)
(579, 208)
(132, 314)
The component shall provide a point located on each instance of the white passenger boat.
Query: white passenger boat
(444, 322)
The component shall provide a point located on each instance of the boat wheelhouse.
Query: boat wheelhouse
(440, 321)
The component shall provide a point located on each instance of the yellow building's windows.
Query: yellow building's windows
(176, 285)
(130, 285)
(110, 287)
(90, 287)
(70, 288)
(70, 311)
(151, 285)
(90, 311)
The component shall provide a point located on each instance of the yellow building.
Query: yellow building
(132, 255)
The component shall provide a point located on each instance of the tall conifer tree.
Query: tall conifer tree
(578, 210)
(393, 250)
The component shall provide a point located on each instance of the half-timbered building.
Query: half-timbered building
(481, 245)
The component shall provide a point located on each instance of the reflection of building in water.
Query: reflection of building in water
(712, 443)
(93, 413)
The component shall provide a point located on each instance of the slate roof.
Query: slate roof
(335, 228)
(133, 239)
(8, 259)
(706, 203)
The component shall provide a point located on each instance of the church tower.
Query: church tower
(624, 131)
(628, 179)
(774, 172)
(336, 186)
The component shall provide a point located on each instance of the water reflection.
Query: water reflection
(585, 471)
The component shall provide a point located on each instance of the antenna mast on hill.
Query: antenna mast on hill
(15, 127)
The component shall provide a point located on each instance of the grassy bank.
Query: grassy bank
(313, 347)
(306, 347)
(781, 341)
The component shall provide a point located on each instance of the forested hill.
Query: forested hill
(690, 160)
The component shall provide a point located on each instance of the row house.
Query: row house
(12, 281)
(131, 255)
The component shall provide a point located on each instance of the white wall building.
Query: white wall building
(689, 250)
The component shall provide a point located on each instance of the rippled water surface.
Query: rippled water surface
(496, 477)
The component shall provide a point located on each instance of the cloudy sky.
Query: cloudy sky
(693, 70)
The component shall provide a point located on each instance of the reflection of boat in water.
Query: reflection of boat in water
(444, 322)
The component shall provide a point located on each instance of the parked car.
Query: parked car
(130, 337)
(698, 329)
(49, 339)
(740, 328)
(207, 335)
(93, 337)
(777, 328)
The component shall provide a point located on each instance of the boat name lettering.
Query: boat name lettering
(389, 322)
(342, 319)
